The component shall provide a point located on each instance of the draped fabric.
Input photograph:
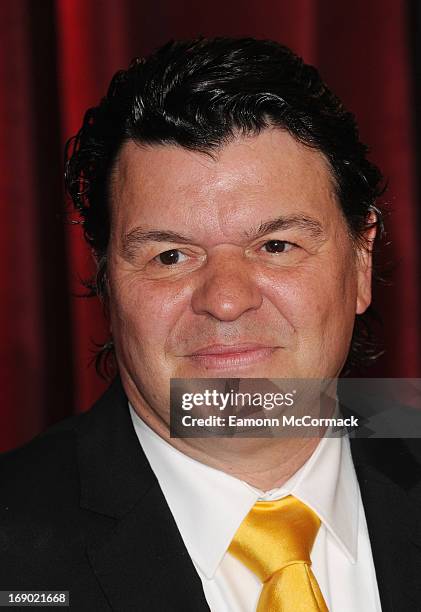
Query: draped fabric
(56, 60)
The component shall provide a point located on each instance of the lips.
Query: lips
(228, 349)
(224, 356)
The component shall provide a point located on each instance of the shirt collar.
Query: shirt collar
(209, 505)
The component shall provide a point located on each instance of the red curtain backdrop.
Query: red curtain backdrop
(56, 60)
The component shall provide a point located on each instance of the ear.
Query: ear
(364, 266)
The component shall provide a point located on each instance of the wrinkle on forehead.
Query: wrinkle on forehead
(249, 179)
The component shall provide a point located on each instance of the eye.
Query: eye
(169, 258)
(277, 246)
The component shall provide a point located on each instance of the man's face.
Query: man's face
(238, 266)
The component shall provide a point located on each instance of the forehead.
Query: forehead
(247, 180)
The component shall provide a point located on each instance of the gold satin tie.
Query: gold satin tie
(274, 541)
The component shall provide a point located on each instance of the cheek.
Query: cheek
(145, 312)
(309, 297)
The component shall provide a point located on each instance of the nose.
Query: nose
(226, 288)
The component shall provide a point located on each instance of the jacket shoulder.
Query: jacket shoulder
(46, 463)
(44, 531)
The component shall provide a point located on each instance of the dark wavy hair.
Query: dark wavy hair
(200, 94)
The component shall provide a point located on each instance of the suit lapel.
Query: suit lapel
(134, 546)
(144, 565)
(389, 479)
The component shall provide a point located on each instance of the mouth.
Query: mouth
(223, 356)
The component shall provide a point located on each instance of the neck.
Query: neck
(265, 463)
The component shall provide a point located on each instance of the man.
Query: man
(231, 209)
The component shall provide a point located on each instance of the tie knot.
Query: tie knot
(275, 534)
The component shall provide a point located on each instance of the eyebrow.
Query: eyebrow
(309, 224)
(139, 236)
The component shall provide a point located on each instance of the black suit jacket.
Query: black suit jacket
(81, 510)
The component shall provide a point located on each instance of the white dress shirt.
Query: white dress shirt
(208, 506)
